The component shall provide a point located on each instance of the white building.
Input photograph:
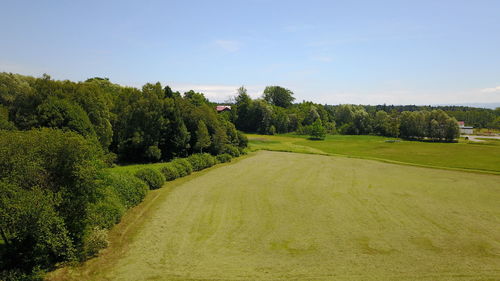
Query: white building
(465, 130)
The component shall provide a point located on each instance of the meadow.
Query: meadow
(464, 155)
(290, 216)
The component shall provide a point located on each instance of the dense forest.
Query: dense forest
(136, 125)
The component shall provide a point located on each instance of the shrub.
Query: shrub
(180, 169)
(35, 236)
(184, 164)
(232, 150)
(153, 178)
(96, 240)
(208, 160)
(130, 189)
(46, 225)
(242, 140)
(170, 172)
(223, 158)
(19, 275)
(196, 161)
(108, 210)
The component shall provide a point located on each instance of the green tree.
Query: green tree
(278, 96)
(51, 177)
(5, 124)
(202, 137)
(317, 131)
(62, 114)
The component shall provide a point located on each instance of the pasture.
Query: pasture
(465, 155)
(290, 216)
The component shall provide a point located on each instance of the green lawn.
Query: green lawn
(290, 216)
(484, 156)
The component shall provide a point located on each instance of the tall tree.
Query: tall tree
(278, 96)
(202, 137)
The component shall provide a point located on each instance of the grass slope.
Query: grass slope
(484, 156)
(288, 216)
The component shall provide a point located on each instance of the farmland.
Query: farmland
(290, 216)
(478, 156)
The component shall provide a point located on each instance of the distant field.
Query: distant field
(289, 216)
(484, 156)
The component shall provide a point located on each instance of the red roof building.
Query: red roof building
(221, 108)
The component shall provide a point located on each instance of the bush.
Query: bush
(223, 158)
(130, 189)
(51, 178)
(232, 150)
(170, 172)
(153, 178)
(19, 275)
(208, 160)
(242, 140)
(108, 210)
(196, 161)
(183, 164)
(96, 240)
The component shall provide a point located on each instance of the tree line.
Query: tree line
(275, 112)
(135, 125)
(57, 199)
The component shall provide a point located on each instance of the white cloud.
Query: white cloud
(491, 90)
(228, 45)
(218, 93)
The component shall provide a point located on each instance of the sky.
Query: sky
(360, 52)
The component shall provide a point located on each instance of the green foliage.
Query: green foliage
(231, 150)
(197, 162)
(96, 240)
(219, 141)
(5, 124)
(223, 158)
(130, 189)
(63, 164)
(208, 160)
(152, 177)
(201, 161)
(202, 137)
(433, 125)
(33, 232)
(153, 153)
(107, 210)
(278, 96)
(170, 171)
(62, 114)
(317, 131)
(184, 165)
(242, 140)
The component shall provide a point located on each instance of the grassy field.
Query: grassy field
(481, 156)
(289, 216)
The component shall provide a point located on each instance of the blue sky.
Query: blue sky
(362, 52)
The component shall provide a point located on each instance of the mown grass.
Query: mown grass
(290, 216)
(484, 156)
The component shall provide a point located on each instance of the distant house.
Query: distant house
(465, 130)
(222, 108)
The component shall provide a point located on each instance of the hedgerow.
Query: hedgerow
(153, 178)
